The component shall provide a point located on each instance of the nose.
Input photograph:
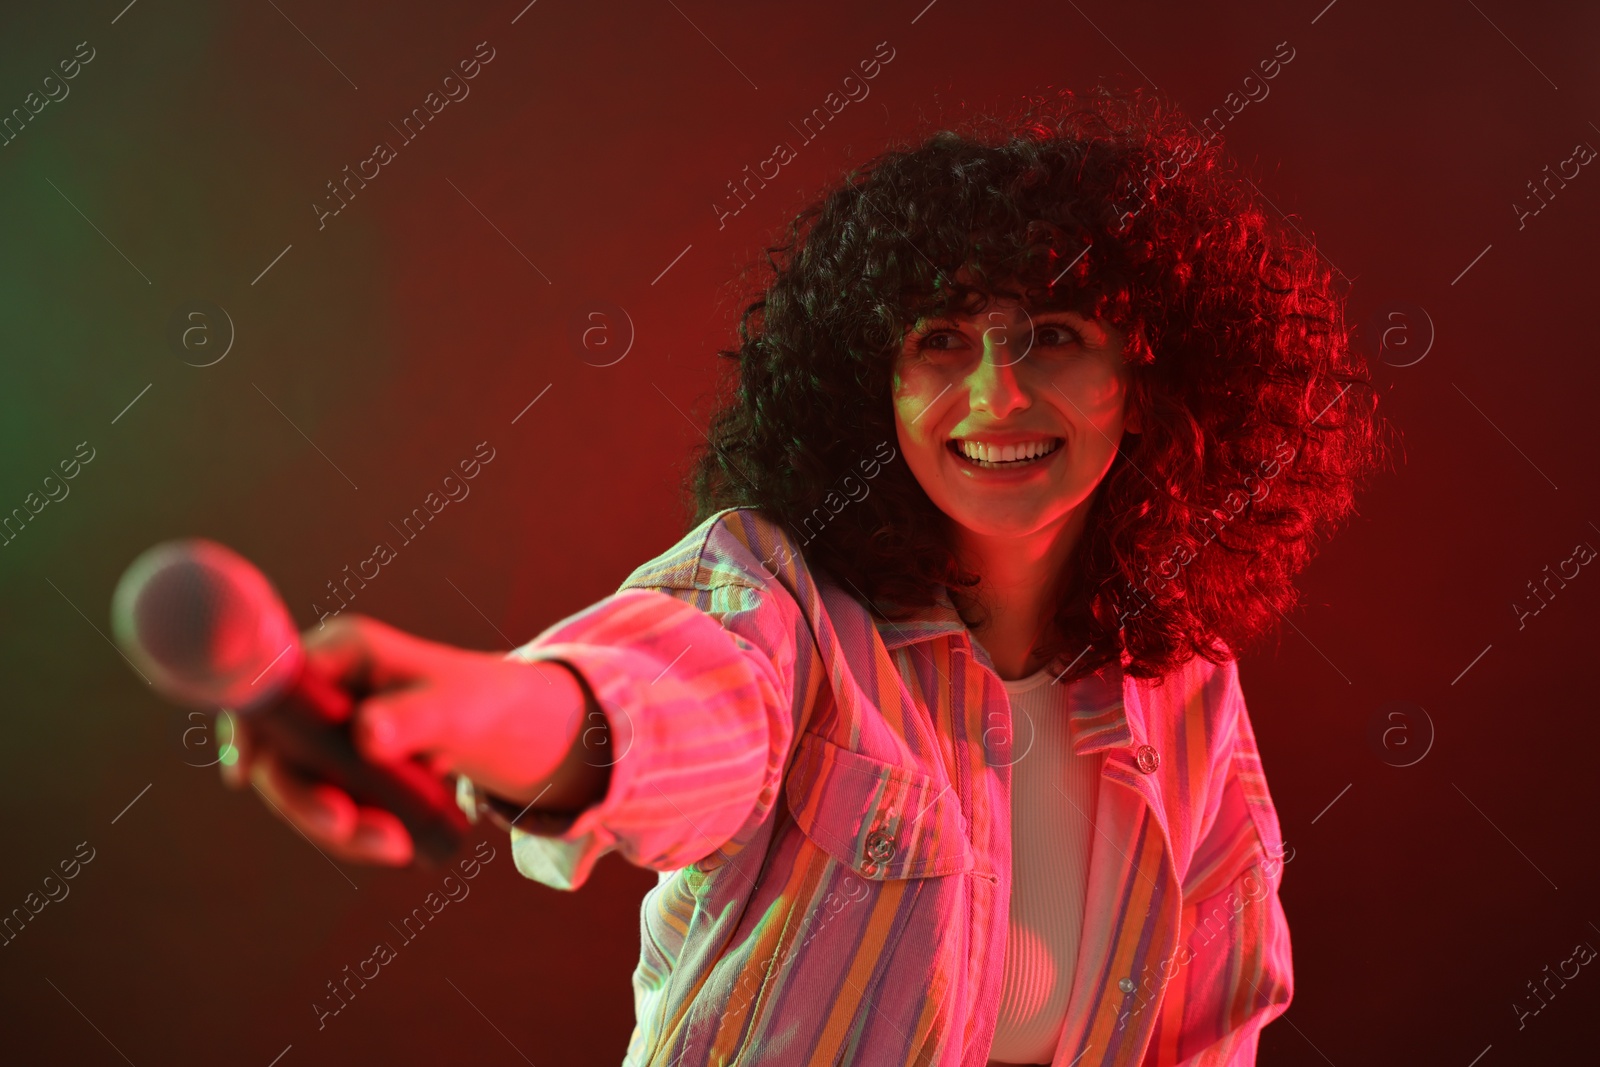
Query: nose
(994, 386)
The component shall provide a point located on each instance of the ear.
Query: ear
(1135, 389)
(1132, 417)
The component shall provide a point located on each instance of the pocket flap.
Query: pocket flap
(884, 820)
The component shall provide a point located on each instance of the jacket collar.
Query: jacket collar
(1105, 710)
(929, 622)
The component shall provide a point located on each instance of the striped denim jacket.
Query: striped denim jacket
(826, 797)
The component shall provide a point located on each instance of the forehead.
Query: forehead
(983, 304)
(968, 295)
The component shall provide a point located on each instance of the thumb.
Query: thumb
(392, 726)
(362, 654)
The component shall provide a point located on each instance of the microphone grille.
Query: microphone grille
(205, 625)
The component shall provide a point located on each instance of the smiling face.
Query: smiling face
(1009, 420)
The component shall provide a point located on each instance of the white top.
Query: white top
(1052, 822)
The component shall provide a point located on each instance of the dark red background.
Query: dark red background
(596, 141)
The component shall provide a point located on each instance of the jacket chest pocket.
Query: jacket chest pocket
(883, 820)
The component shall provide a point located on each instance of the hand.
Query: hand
(508, 725)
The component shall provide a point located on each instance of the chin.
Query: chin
(1019, 519)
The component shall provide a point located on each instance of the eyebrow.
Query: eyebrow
(1032, 313)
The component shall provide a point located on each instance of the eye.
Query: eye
(1054, 334)
(938, 340)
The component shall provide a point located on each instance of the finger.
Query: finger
(364, 655)
(391, 727)
(323, 813)
(380, 837)
(340, 652)
(331, 819)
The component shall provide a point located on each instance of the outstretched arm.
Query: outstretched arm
(697, 697)
(512, 726)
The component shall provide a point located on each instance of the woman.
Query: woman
(932, 724)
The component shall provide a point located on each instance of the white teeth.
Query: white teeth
(987, 453)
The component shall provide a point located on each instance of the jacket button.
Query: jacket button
(1125, 984)
(880, 846)
(1147, 758)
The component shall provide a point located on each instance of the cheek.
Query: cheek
(1098, 393)
(1104, 392)
(1091, 401)
(911, 398)
(917, 415)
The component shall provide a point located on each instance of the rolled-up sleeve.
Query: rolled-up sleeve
(697, 688)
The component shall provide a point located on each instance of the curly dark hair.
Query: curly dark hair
(1259, 417)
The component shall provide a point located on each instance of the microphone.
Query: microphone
(210, 631)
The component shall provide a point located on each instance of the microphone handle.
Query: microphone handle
(309, 726)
